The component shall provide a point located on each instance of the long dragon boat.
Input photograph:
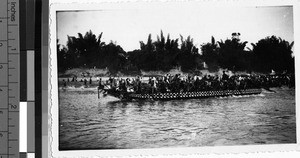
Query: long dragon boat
(180, 95)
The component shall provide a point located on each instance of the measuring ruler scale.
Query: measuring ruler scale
(9, 78)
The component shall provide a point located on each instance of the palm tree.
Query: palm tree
(188, 58)
(86, 50)
(187, 45)
(148, 47)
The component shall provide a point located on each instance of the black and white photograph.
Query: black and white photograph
(175, 76)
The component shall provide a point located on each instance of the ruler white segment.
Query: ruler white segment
(30, 155)
(23, 127)
(30, 75)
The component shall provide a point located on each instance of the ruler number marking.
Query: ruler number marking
(12, 106)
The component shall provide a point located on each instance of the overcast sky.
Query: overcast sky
(128, 27)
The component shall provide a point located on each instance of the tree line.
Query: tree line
(164, 54)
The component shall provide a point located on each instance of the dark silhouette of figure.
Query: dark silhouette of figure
(225, 76)
(85, 82)
(100, 85)
(64, 83)
(90, 80)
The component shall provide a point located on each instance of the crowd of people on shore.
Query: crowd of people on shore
(179, 83)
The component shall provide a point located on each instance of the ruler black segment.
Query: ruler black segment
(23, 26)
(23, 76)
(38, 79)
(23, 155)
(30, 25)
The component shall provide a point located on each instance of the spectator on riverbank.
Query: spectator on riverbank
(91, 80)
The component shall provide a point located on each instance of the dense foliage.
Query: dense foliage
(88, 51)
(273, 53)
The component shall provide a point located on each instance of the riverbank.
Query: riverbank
(92, 76)
(104, 74)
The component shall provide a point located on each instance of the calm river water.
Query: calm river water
(87, 122)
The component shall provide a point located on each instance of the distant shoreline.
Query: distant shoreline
(87, 73)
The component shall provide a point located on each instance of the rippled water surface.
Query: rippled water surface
(87, 122)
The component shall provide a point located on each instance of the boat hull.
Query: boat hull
(183, 95)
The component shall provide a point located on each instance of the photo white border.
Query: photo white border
(59, 5)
